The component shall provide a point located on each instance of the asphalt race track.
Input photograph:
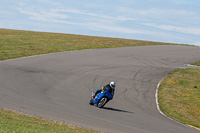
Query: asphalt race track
(58, 86)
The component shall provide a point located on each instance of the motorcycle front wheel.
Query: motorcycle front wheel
(102, 102)
(91, 102)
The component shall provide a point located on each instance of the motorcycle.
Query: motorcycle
(101, 98)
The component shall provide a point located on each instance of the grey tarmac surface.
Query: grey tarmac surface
(58, 86)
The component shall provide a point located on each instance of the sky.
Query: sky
(173, 21)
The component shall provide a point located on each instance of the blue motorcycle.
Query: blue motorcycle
(101, 98)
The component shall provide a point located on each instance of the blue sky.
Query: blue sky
(176, 21)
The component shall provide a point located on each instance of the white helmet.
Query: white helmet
(112, 85)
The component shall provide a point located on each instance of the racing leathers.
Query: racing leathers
(111, 90)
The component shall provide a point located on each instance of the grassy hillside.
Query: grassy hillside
(17, 43)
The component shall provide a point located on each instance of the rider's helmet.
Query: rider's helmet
(112, 85)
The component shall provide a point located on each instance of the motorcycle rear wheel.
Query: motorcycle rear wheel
(102, 102)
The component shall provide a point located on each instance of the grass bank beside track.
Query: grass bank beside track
(11, 122)
(179, 96)
(17, 43)
(196, 63)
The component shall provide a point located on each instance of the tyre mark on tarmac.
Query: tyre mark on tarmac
(58, 86)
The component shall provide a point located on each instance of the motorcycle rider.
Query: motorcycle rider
(111, 89)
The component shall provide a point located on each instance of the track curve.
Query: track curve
(58, 86)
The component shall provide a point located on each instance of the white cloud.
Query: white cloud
(54, 17)
(82, 12)
(50, 2)
(51, 17)
(75, 11)
(42, 14)
(161, 14)
(118, 18)
(156, 11)
(112, 28)
(100, 22)
(194, 31)
(196, 43)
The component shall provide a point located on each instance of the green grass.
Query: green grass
(179, 96)
(11, 122)
(196, 63)
(17, 43)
